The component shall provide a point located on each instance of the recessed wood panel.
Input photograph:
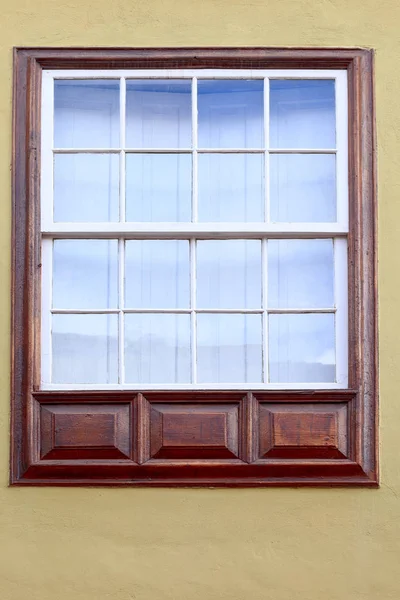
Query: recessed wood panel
(303, 431)
(85, 431)
(194, 431)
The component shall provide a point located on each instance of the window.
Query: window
(210, 208)
(194, 296)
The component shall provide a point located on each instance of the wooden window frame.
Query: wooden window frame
(253, 437)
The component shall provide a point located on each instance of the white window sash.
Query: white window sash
(123, 230)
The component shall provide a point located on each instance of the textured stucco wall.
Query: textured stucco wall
(272, 544)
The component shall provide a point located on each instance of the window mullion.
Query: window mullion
(264, 267)
(121, 316)
(121, 241)
(47, 158)
(193, 317)
(264, 242)
(193, 259)
(194, 152)
(122, 152)
(266, 151)
(173, 231)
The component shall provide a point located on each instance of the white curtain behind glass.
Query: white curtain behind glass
(230, 188)
(85, 272)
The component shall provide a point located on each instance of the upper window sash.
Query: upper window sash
(194, 227)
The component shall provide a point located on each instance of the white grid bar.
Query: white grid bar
(193, 243)
(193, 317)
(264, 243)
(85, 311)
(188, 386)
(266, 154)
(187, 311)
(190, 150)
(299, 311)
(122, 108)
(121, 241)
(203, 230)
(194, 154)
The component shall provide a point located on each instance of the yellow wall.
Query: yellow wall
(278, 544)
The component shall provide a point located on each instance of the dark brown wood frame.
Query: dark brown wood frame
(264, 438)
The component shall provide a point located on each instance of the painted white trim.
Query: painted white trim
(187, 311)
(207, 230)
(47, 137)
(122, 183)
(266, 153)
(195, 200)
(143, 387)
(299, 311)
(121, 241)
(192, 310)
(194, 149)
(264, 243)
(85, 311)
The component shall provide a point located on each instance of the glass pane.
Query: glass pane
(85, 274)
(300, 274)
(158, 187)
(85, 349)
(86, 113)
(302, 348)
(302, 113)
(229, 274)
(231, 187)
(86, 187)
(157, 274)
(230, 114)
(157, 348)
(158, 113)
(303, 188)
(229, 348)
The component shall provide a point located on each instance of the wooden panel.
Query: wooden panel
(303, 431)
(193, 58)
(362, 263)
(85, 431)
(227, 473)
(194, 431)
